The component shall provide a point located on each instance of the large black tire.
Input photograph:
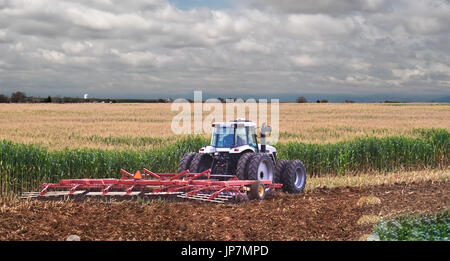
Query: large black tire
(242, 165)
(279, 170)
(294, 177)
(257, 191)
(200, 163)
(185, 162)
(260, 167)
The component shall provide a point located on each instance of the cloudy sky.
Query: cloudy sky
(269, 48)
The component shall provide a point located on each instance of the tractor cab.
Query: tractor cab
(234, 134)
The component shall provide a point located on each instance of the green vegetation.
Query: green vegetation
(415, 228)
(25, 166)
(363, 154)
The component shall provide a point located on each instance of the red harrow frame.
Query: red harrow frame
(184, 185)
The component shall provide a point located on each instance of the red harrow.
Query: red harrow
(184, 185)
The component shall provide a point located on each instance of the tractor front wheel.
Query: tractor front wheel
(185, 161)
(242, 165)
(200, 163)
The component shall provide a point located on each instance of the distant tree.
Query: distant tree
(348, 101)
(18, 97)
(222, 100)
(318, 101)
(32, 99)
(301, 99)
(323, 101)
(4, 98)
(48, 99)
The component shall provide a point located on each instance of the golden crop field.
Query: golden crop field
(144, 125)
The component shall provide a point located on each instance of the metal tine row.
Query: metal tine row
(205, 197)
(26, 195)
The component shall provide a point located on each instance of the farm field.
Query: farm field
(396, 153)
(140, 126)
(339, 213)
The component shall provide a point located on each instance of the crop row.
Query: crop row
(25, 166)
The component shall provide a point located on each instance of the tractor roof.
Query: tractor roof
(239, 122)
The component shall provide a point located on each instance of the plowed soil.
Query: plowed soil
(321, 214)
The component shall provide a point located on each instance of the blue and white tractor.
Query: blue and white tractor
(234, 151)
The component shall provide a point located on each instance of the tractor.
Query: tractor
(234, 151)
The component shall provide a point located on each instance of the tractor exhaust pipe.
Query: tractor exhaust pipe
(263, 142)
(264, 129)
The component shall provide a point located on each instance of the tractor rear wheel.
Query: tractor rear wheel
(294, 177)
(242, 165)
(279, 170)
(200, 163)
(260, 167)
(185, 161)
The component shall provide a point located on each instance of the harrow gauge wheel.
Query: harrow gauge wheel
(257, 191)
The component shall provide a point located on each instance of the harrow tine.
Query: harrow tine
(48, 194)
(126, 174)
(112, 193)
(72, 190)
(206, 197)
(208, 171)
(148, 172)
(202, 198)
(179, 175)
(44, 190)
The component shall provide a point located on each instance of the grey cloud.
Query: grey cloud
(322, 6)
(127, 48)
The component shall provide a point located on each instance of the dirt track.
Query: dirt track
(322, 214)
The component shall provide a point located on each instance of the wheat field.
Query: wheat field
(120, 126)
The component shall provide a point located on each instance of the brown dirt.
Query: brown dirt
(321, 214)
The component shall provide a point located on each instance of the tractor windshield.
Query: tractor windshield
(223, 137)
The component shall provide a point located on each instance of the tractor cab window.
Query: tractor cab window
(223, 137)
(241, 136)
(252, 138)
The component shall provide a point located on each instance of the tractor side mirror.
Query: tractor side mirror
(265, 129)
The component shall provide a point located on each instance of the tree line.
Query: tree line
(21, 97)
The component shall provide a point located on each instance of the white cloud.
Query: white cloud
(75, 47)
(53, 56)
(304, 60)
(251, 46)
(322, 6)
(319, 26)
